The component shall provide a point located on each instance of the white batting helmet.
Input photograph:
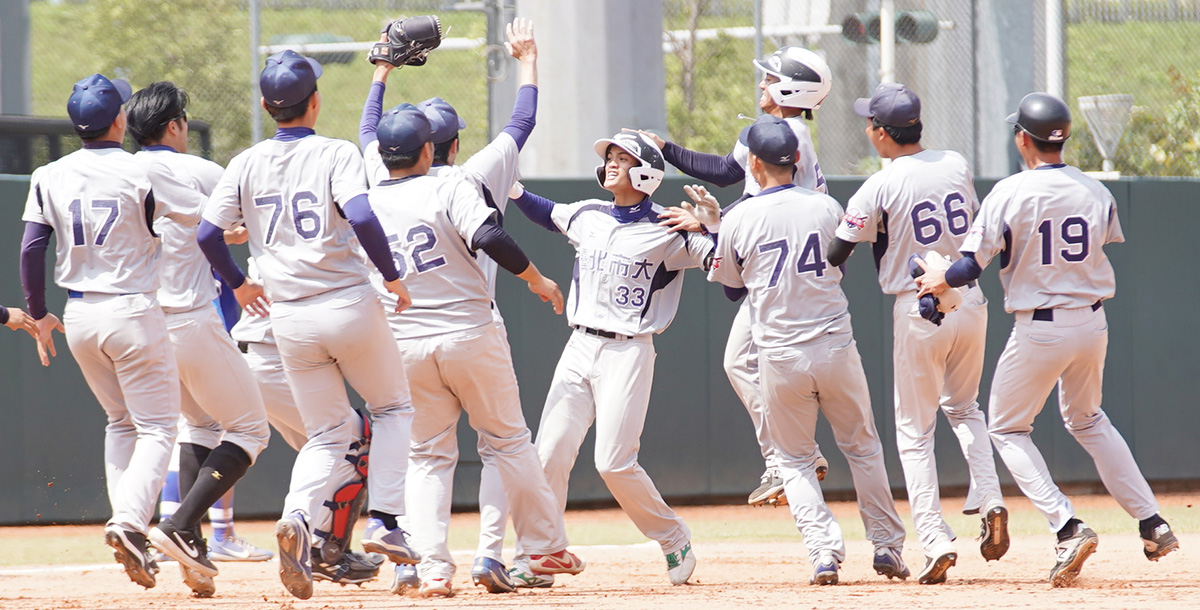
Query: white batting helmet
(804, 77)
(649, 173)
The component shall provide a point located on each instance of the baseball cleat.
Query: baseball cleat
(436, 587)
(562, 562)
(129, 549)
(202, 586)
(523, 578)
(681, 564)
(492, 575)
(825, 572)
(770, 485)
(353, 568)
(186, 547)
(822, 467)
(405, 579)
(1161, 541)
(887, 562)
(295, 570)
(237, 549)
(937, 566)
(391, 542)
(1071, 553)
(994, 533)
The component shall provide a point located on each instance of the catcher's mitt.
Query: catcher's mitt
(409, 41)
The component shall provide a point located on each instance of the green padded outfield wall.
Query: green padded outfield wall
(698, 443)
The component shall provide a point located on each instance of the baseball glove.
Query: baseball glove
(409, 41)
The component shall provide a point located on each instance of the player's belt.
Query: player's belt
(599, 333)
(1047, 315)
(75, 294)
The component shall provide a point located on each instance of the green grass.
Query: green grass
(1130, 58)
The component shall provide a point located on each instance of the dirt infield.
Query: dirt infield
(730, 574)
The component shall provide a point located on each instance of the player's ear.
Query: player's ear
(262, 101)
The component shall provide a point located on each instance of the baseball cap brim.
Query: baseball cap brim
(122, 88)
(862, 107)
(601, 146)
(1013, 118)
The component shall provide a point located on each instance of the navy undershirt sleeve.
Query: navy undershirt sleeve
(3, 315)
(537, 209)
(839, 251)
(212, 242)
(33, 266)
(735, 294)
(500, 246)
(524, 115)
(372, 110)
(964, 270)
(717, 169)
(371, 235)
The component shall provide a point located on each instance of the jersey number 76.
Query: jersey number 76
(307, 220)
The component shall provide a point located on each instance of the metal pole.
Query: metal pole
(887, 41)
(255, 114)
(1054, 48)
(758, 47)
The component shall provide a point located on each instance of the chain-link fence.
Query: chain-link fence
(959, 57)
(969, 61)
(204, 47)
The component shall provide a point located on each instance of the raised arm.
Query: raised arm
(719, 170)
(523, 48)
(373, 107)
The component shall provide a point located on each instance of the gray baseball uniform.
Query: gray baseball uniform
(328, 322)
(625, 289)
(1049, 227)
(925, 203)
(220, 400)
(772, 244)
(99, 201)
(458, 359)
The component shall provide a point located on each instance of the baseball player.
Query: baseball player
(923, 201)
(795, 81)
(456, 355)
(770, 246)
(99, 200)
(492, 171)
(333, 524)
(226, 423)
(626, 289)
(303, 200)
(1049, 225)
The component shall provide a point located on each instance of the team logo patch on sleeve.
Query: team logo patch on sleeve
(854, 219)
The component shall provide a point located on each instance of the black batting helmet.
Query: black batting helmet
(1044, 117)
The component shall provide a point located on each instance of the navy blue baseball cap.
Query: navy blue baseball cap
(892, 104)
(403, 129)
(96, 101)
(446, 122)
(772, 140)
(288, 78)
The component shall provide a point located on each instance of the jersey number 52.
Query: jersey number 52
(422, 239)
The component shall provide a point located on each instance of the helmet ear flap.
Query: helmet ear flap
(600, 174)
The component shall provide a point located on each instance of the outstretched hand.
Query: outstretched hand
(19, 320)
(45, 337)
(933, 281)
(659, 142)
(707, 210)
(520, 39)
(251, 296)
